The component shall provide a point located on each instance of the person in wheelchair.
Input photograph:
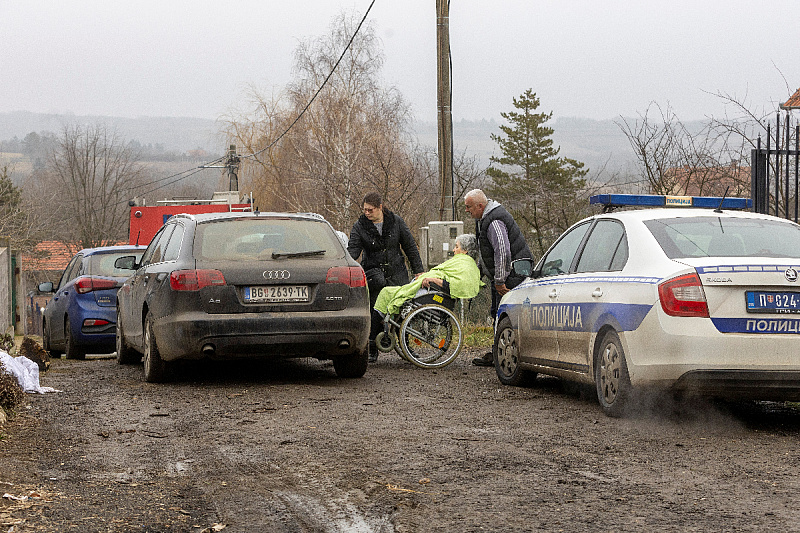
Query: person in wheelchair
(458, 277)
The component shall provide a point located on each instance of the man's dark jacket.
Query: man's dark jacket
(384, 250)
(519, 248)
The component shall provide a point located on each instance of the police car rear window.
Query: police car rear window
(725, 237)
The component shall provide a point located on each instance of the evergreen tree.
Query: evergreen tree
(538, 187)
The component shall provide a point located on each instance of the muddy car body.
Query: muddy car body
(238, 285)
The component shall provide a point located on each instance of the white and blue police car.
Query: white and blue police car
(703, 299)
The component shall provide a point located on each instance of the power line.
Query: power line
(159, 180)
(179, 176)
(328, 77)
(195, 170)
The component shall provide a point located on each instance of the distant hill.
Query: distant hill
(594, 142)
(175, 134)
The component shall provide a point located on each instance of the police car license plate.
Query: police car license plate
(276, 293)
(773, 302)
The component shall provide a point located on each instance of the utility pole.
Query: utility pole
(445, 116)
(232, 164)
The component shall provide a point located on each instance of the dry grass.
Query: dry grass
(477, 335)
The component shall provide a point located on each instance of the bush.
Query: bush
(6, 342)
(11, 394)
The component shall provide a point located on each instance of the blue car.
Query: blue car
(81, 315)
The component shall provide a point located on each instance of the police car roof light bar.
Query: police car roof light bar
(611, 201)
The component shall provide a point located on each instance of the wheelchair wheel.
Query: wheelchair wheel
(386, 343)
(431, 337)
(400, 352)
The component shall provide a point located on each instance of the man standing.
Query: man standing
(500, 241)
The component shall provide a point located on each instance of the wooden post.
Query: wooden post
(445, 117)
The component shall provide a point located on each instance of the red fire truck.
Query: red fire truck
(145, 221)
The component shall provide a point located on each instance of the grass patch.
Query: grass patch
(477, 335)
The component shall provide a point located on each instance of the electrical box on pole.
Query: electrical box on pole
(437, 241)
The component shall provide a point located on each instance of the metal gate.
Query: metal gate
(774, 170)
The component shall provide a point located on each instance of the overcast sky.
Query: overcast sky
(595, 59)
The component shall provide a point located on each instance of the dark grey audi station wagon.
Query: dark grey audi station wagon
(239, 285)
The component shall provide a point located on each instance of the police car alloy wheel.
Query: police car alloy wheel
(507, 357)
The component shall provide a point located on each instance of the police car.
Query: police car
(704, 299)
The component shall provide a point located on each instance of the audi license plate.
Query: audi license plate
(773, 302)
(276, 293)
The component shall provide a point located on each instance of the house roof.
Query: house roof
(53, 255)
(48, 255)
(793, 102)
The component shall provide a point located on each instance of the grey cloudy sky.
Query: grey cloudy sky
(590, 58)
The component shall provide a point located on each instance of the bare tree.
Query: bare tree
(352, 139)
(86, 184)
(708, 160)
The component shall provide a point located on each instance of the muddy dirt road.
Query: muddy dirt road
(289, 447)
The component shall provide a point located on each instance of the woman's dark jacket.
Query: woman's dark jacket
(384, 250)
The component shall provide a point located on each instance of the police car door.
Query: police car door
(588, 292)
(538, 328)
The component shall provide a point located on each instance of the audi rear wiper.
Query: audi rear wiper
(276, 255)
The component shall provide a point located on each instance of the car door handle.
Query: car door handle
(553, 294)
(597, 293)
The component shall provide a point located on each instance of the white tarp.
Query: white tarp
(26, 372)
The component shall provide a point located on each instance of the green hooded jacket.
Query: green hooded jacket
(460, 271)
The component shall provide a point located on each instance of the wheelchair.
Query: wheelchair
(425, 331)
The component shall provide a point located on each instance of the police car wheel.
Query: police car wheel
(506, 357)
(611, 376)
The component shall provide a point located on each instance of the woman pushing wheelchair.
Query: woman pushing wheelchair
(429, 333)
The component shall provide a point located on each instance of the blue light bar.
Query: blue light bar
(656, 200)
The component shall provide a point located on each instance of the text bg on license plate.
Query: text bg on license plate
(276, 293)
(773, 302)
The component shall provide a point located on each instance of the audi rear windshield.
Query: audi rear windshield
(725, 237)
(265, 240)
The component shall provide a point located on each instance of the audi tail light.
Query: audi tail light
(683, 296)
(194, 280)
(86, 284)
(350, 276)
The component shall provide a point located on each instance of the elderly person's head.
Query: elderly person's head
(466, 243)
(475, 203)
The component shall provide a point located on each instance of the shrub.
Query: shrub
(6, 342)
(11, 394)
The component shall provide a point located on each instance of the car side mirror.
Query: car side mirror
(47, 286)
(523, 267)
(126, 262)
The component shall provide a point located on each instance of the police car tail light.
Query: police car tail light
(194, 280)
(683, 296)
(350, 276)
